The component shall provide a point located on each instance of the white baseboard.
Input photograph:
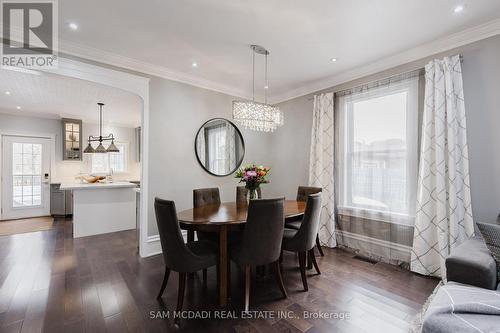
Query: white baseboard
(151, 247)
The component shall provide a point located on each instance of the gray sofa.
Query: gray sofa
(472, 263)
(470, 301)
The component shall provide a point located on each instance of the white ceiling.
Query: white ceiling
(165, 36)
(55, 96)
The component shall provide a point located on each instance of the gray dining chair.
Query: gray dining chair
(261, 241)
(303, 239)
(203, 197)
(302, 193)
(242, 192)
(206, 196)
(179, 256)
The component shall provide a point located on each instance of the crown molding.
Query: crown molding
(109, 58)
(470, 35)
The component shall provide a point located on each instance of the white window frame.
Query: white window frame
(345, 106)
(126, 153)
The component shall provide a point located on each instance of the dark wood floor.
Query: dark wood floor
(53, 283)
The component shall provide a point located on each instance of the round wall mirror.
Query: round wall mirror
(219, 147)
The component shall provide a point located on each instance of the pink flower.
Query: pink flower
(251, 173)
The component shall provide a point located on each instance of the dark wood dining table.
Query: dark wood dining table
(222, 218)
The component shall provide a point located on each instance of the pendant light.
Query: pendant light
(254, 115)
(112, 148)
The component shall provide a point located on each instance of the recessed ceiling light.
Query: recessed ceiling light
(266, 87)
(7, 93)
(459, 9)
(194, 64)
(333, 59)
(73, 26)
(18, 107)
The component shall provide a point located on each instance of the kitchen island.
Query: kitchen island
(102, 207)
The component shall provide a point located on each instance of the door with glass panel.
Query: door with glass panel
(25, 177)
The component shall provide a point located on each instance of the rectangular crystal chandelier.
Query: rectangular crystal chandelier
(253, 115)
(257, 116)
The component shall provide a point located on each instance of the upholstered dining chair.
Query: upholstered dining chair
(206, 196)
(302, 193)
(203, 197)
(303, 239)
(261, 240)
(242, 192)
(179, 256)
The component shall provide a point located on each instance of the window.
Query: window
(216, 149)
(27, 174)
(221, 147)
(103, 163)
(378, 131)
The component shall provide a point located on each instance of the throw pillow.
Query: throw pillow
(491, 235)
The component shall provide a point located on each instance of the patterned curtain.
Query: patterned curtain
(321, 170)
(444, 212)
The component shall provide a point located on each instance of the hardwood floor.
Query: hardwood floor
(53, 283)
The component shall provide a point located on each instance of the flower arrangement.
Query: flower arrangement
(253, 175)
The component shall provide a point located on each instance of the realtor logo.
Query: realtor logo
(29, 33)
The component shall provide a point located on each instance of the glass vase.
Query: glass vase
(252, 194)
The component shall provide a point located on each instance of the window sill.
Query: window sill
(377, 215)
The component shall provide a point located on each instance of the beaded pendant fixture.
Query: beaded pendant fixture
(254, 115)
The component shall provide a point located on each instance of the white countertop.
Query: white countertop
(78, 186)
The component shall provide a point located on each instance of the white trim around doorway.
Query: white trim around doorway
(138, 85)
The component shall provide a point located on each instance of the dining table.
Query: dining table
(222, 218)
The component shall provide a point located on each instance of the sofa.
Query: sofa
(472, 263)
(470, 300)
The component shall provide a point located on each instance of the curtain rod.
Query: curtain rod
(373, 81)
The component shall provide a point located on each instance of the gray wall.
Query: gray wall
(177, 111)
(481, 75)
(290, 148)
(10, 122)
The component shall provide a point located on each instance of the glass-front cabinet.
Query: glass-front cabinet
(72, 139)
